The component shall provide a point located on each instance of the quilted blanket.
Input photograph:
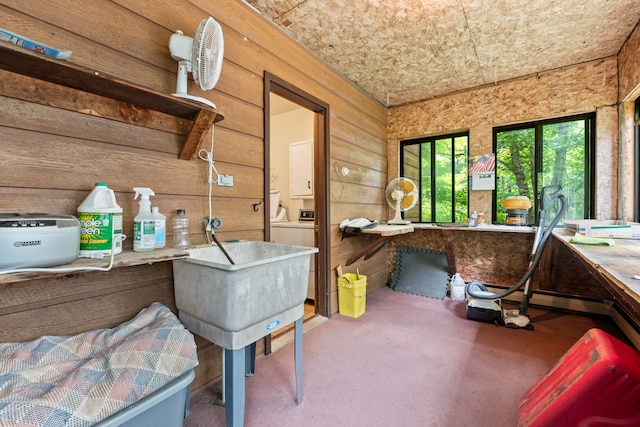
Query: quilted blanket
(77, 381)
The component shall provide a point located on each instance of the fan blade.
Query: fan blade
(407, 186)
(407, 201)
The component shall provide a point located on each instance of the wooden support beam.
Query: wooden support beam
(448, 246)
(368, 251)
(201, 125)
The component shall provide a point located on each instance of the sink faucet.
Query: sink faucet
(211, 223)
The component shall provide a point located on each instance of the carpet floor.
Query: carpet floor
(407, 361)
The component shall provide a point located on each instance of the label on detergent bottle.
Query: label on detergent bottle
(97, 230)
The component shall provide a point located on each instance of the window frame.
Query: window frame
(589, 172)
(432, 140)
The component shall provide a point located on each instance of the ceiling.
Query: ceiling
(401, 51)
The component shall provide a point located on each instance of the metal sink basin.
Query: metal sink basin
(235, 305)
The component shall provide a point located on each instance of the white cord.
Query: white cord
(119, 238)
(207, 156)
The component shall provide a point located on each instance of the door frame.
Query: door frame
(280, 87)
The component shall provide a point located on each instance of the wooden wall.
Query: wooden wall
(57, 142)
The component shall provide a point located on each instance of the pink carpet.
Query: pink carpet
(408, 361)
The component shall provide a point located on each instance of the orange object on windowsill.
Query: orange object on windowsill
(521, 203)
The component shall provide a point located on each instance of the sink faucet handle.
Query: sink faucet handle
(211, 223)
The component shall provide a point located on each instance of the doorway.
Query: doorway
(320, 200)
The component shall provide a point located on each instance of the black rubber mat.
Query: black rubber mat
(420, 272)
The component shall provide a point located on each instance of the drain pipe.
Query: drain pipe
(210, 225)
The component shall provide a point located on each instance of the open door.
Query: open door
(277, 86)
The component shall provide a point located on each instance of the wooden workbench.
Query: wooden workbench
(385, 231)
(616, 268)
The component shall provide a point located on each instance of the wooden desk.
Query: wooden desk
(614, 266)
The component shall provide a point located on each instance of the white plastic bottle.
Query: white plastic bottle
(144, 224)
(100, 223)
(458, 288)
(161, 227)
(180, 222)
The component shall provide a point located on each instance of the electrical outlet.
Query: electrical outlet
(225, 180)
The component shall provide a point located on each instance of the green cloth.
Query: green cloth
(596, 241)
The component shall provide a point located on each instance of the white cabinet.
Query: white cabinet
(301, 158)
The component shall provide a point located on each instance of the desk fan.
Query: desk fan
(402, 195)
(201, 55)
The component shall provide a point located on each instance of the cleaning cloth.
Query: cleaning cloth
(596, 241)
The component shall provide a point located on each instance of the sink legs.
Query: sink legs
(250, 360)
(297, 354)
(234, 367)
(240, 363)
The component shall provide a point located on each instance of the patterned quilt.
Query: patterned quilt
(80, 380)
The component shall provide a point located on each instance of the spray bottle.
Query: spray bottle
(144, 224)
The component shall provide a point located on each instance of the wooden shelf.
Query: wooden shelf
(125, 259)
(22, 61)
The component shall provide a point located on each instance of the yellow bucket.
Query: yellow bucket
(352, 295)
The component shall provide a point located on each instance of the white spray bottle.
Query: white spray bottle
(144, 224)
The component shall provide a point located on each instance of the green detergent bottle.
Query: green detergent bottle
(100, 223)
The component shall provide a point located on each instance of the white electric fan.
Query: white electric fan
(201, 55)
(402, 195)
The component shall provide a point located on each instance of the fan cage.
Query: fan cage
(410, 193)
(208, 54)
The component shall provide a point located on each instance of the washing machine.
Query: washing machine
(297, 233)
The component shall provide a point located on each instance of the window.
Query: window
(438, 165)
(530, 156)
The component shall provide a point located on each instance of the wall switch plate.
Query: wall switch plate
(225, 180)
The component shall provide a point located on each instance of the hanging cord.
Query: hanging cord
(207, 156)
(119, 238)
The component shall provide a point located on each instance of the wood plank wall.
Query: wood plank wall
(57, 142)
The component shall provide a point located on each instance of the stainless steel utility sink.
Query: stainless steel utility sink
(235, 305)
